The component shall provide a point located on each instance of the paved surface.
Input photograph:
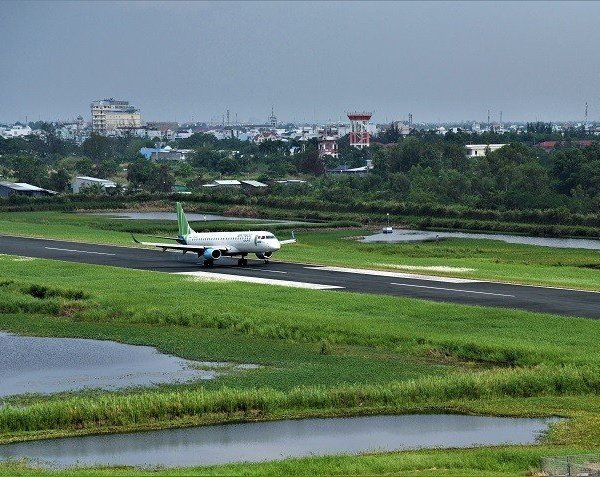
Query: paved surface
(471, 292)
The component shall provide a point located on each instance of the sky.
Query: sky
(311, 61)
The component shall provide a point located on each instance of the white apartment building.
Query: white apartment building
(480, 150)
(110, 114)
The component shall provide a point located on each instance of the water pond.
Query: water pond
(262, 441)
(48, 365)
(192, 217)
(405, 235)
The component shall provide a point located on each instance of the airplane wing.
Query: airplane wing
(178, 246)
(292, 240)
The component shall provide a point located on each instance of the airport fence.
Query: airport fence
(585, 465)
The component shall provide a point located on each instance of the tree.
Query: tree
(97, 148)
(59, 180)
(30, 169)
(139, 172)
(161, 179)
(204, 157)
(107, 168)
(85, 166)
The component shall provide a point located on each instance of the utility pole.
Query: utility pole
(488, 119)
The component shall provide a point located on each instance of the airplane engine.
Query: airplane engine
(212, 254)
(264, 255)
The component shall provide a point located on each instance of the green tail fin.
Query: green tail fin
(184, 227)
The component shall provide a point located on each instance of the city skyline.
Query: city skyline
(442, 62)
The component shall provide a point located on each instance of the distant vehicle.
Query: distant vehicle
(388, 228)
(212, 246)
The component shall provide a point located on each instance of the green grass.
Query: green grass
(187, 407)
(413, 327)
(488, 259)
(383, 355)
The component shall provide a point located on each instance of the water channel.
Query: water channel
(262, 441)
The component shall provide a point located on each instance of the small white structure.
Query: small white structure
(86, 181)
(253, 184)
(223, 183)
(289, 182)
(480, 150)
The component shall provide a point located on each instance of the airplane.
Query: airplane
(213, 245)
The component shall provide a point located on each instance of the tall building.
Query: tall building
(327, 142)
(110, 114)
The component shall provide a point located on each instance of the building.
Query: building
(291, 182)
(110, 114)
(166, 130)
(77, 131)
(480, 150)
(8, 189)
(549, 145)
(265, 136)
(16, 130)
(166, 153)
(360, 171)
(248, 184)
(328, 143)
(224, 183)
(85, 181)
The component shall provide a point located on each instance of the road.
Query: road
(455, 290)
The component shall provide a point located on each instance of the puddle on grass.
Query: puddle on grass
(263, 441)
(49, 365)
(404, 235)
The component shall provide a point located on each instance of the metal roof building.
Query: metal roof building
(22, 188)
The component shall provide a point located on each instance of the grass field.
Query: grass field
(481, 259)
(322, 354)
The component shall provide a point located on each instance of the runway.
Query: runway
(454, 290)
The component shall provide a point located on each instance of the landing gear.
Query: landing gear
(266, 262)
(208, 263)
(242, 262)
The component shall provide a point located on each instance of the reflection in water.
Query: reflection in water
(399, 236)
(255, 442)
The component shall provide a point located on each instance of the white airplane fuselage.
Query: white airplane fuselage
(235, 243)
(212, 245)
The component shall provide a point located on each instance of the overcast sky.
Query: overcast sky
(311, 61)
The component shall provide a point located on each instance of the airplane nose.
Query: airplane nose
(276, 244)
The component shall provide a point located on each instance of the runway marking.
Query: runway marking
(382, 273)
(263, 270)
(263, 281)
(452, 289)
(78, 251)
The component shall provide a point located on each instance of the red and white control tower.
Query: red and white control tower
(359, 132)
